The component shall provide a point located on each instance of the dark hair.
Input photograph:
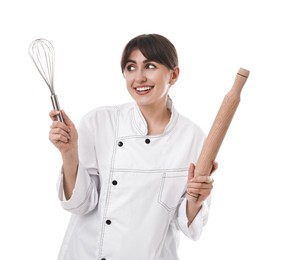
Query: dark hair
(154, 47)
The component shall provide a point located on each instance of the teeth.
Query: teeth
(143, 89)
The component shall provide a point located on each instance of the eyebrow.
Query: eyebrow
(133, 61)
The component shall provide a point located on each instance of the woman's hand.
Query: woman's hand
(63, 135)
(200, 187)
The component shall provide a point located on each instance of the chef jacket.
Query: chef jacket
(129, 197)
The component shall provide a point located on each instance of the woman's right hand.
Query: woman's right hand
(63, 135)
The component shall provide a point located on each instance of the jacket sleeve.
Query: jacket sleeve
(194, 230)
(85, 194)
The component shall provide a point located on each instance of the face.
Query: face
(148, 82)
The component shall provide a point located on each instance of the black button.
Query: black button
(147, 141)
(103, 258)
(120, 143)
(114, 182)
(108, 222)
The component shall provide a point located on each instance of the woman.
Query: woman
(127, 176)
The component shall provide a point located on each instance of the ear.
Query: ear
(174, 75)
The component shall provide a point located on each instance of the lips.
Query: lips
(143, 90)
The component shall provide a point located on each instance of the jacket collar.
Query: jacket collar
(140, 122)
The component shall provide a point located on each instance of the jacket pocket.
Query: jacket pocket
(172, 188)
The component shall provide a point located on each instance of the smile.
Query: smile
(143, 90)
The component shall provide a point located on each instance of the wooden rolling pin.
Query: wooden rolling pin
(219, 128)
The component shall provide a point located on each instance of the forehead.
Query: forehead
(136, 55)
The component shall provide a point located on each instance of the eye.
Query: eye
(150, 66)
(130, 67)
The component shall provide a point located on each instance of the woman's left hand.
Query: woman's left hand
(199, 187)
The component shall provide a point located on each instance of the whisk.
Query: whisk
(42, 53)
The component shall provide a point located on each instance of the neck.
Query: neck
(157, 117)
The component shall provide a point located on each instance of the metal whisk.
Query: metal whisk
(42, 53)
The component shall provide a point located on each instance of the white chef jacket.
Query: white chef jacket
(129, 198)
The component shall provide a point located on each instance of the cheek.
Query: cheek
(128, 79)
(129, 85)
(162, 78)
(164, 82)
(128, 82)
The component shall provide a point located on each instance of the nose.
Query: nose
(140, 76)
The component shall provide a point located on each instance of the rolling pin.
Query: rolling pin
(219, 128)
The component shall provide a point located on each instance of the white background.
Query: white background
(214, 39)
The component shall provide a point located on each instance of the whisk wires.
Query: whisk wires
(42, 53)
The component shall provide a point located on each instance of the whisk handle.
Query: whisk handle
(55, 103)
